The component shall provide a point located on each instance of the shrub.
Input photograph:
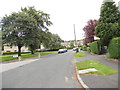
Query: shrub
(114, 48)
(88, 49)
(71, 47)
(84, 48)
(95, 47)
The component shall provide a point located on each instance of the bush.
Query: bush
(114, 48)
(70, 47)
(84, 48)
(46, 50)
(88, 49)
(95, 47)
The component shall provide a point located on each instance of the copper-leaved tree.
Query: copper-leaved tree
(89, 30)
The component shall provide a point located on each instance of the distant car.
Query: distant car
(65, 50)
(74, 49)
(62, 50)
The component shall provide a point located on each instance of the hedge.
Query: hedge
(95, 47)
(84, 48)
(9, 53)
(114, 48)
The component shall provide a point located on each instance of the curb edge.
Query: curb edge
(80, 80)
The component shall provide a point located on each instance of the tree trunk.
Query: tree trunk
(32, 51)
(19, 50)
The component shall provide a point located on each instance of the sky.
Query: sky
(63, 13)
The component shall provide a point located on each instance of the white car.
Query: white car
(62, 50)
(74, 49)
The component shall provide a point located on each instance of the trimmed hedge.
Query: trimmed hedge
(9, 53)
(84, 48)
(95, 47)
(114, 48)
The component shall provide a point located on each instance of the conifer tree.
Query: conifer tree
(108, 25)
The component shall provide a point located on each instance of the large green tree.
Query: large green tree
(15, 27)
(37, 36)
(26, 27)
(108, 25)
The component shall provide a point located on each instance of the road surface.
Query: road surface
(49, 72)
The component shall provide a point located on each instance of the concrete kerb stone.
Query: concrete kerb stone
(80, 80)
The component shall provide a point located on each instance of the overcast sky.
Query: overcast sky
(63, 13)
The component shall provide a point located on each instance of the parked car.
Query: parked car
(65, 50)
(62, 50)
(74, 49)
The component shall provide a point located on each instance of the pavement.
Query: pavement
(54, 71)
(97, 81)
(8, 65)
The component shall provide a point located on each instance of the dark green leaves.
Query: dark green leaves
(107, 26)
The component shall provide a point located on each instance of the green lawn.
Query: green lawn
(79, 54)
(10, 57)
(102, 69)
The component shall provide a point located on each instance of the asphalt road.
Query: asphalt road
(49, 72)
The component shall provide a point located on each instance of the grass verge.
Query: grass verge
(102, 69)
(10, 57)
(79, 54)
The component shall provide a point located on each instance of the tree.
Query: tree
(52, 41)
(15, 27)
(38, 36)
(108, 25)
(71, 43)
(55, 42)
(89, 30)
(25, 28)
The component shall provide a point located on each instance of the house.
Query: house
(66, 43)
(8, 48)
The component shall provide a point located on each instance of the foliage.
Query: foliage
(35, 37)
(53, 41)
(84, 48)
(95, 47)
(15, 27)
(108, 25)
(88, 49)
(9, 53)
(26, 27)
(114, 47)
(79, 54)
(71, 43)
(90, 28)
(101, 69)
(62, 47)
(70, 47)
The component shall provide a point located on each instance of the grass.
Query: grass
(10, 57)
(79, 54)
(102, 69)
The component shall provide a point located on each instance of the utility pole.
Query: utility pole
(75, 35)
(119, 5)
